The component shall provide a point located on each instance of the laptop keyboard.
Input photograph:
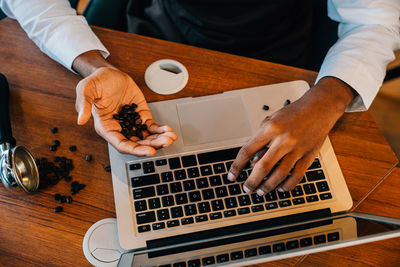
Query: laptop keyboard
(172, 192)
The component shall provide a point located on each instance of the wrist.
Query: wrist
(87, 63)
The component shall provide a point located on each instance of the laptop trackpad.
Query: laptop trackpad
(210, 121)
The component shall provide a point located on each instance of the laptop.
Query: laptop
(181, 197)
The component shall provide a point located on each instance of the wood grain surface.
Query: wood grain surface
(43, 96)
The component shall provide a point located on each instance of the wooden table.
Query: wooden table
(43, 96)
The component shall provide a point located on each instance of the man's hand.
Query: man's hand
(293, 135)
(102, 93)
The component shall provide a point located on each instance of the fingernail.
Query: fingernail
(260, 192)
(280, 189)
(231, 177)
(246, 189)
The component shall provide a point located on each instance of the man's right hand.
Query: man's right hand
(102, 93)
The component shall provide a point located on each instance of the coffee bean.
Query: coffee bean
(74, 184)
(287, 102)
(73, 191)
(116, 116)
(58, 209)
(68, 178)
(107, 168)
(63, 199)
(72, 148)
(69, 199)
(81, 186)
(54, 130)
(138, 121)
(88, 158)
(56, 143)
(56, 159)
(133, 106)
(53, 148)
(126, 107)
(57, 197)
(265, 107)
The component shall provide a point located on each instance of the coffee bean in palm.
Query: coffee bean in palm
(287, 102)
(72, 148)
(126, 107)
(265, 107)
(133, 106)
(58, 209)
(54, 130)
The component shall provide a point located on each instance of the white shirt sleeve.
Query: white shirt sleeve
(55, 28)
(368, 34)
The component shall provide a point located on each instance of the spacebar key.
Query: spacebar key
(216, 156)
(145, 217)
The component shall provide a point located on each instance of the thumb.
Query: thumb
(83, 104)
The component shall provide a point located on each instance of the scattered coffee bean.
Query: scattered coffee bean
(54, 130)
(265, 107)
(74, 184)
(72, 148)
(56, 143)
(58, 209)
(287, 102)
(68, 178)
(73, 191)
(50, 173)
(131, 124)
(53, 148)
(88, 158)
(69, 199)
(57, 197)
(107, 168)
(81, 186)
(63, 199)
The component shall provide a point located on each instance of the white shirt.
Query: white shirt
(368, 34)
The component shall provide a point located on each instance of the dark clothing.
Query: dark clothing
(273, 30)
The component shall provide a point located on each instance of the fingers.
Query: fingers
(258, 156)
(83, 103)
(158, 140)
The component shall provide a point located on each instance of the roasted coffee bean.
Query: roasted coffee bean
(69, 199)
(73, 191)
(72, 148)
(88, 158)
(116, 116)
(107, 168)
(265, 107)
(57, 197)
(54, 130)
(63, 199)
(53, 148)
(68, 178)
(138, 121)
(81, 186)
(74, 184)
(58, 209)
(133, 106)
(287, 102)
(126, 107)
(56, 143)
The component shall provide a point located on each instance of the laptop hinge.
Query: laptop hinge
(223, 231)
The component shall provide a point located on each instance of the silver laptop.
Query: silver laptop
(181, 195)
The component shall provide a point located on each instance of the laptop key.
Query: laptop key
(162, 189)
(179, 264)
(148, 169)
(176, 212)
(333, 236)
(264, 250)
(140, 205)
(148, 164)
(173, 223)
(229, 213)
(201, 218)
(292, 244)
(202, 183)
(161, 162)
(305, 242)
(234, 189)
(303, 180)
(185, 221)
(194, 263)
(208, 194)
(257, 199)
(312, 198)
(257, 208)
(206, 170)
(190, 209)
(215, 180)
(285, 203)
(144, 180)
(135, 166)
(298, 201)
(278, 247)
(315, 175)
(322, 186)
(181, 198)
(230, 202)
(193, 172)
(325, 196)
(158, 226)
(167, 201)
(154, 203)
(175, 187)
(167, 177)
(174, 163)
(271, 206)
(180, 175)
(283, 195)
(145, 217)
(189, 185)
(319, 239)
(309, 189)
(163, 214)
(250, 252)
(216, 156)
(165, 265)
(242, 211)
(271, 196)
(189, 161)
(204, 207)
(215, 216)
(208, 260)
(143, 228)
(228, 164)
(144, 192)
(194, 196)
(237, 255)
(217, 205)
(219, 168)
(223, 258)
(297, 191)
(221, 191)
(315, 164)
(225, 179)
(242, 176)
(244, 200)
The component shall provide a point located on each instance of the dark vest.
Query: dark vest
(273, 30)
